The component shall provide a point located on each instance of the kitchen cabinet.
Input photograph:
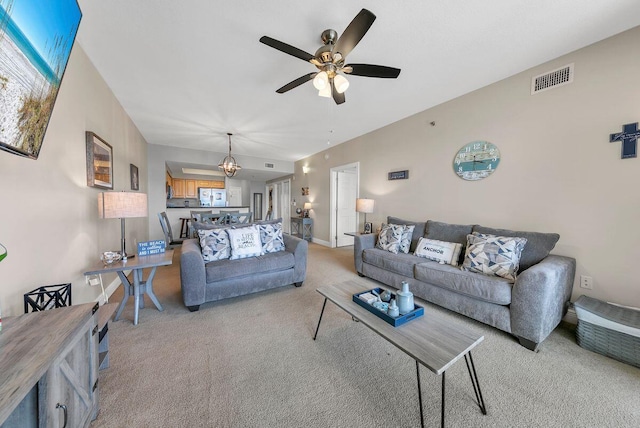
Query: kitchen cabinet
(169, 179)
(213, 184)
(190, 189)
(178, 188)
(49, 368)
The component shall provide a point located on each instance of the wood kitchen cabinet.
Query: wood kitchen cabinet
(49, 368)
(190, 189)
(178, 188)
(211, 184)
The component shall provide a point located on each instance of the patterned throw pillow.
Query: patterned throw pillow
(493, 255)
(439, 251)
(215, 244)
(389, 237)
(271, 237)
(405, 241)
(245, 242)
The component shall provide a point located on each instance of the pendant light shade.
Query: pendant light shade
(321, 81)
(229, 164)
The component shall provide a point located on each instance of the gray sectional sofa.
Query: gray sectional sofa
(529, 308)
(203, 282)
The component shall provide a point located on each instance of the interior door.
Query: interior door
(284, 205)
(346, 216)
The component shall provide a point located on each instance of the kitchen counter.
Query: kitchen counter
(174, 214)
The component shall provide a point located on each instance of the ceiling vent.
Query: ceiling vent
(552, 79)
(268, 165)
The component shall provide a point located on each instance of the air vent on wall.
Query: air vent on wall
(268, 165)
(552, 79)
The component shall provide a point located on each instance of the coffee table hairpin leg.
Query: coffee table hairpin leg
(475, 383)
(320, 320)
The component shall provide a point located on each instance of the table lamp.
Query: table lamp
(305, 209)
(122, 205)
(364, 206)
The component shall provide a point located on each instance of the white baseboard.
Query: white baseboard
(571, 316)
(110, 289)
(321, 242)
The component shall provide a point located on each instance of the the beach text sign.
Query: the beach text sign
(151, 247)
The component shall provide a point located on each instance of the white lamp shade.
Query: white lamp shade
(326, 92)
(364, 205)
(321, 80)
(307, 206)
(341, 83)
(122, 204)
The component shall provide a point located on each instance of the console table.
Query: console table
(49, 368)
(139, 287)
(302, 227)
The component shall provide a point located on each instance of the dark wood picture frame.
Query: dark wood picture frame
(99, 162)
(135, 178)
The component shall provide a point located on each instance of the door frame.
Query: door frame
(333, 196)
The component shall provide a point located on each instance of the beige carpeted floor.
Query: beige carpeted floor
(251, 362)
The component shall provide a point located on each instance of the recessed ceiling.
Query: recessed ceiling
(187, 72)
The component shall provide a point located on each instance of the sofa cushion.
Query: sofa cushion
(405, 240)
(439, 251)
(215, 244)
(226, 269)
(491, 289)
(401, 264)
(389, 237)
(418, 230)
(271, 237)
(493, 255)
(245, 242)
(538, 246)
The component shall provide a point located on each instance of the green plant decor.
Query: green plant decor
(3, 252)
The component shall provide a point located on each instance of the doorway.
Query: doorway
(344, 191)
(279, 202)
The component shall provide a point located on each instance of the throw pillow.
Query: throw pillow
(215, 244)
(405, 240)
(493, 255)
(439, 251)
(389, 237)
(418, 231)
(271, 237)
(245, 242)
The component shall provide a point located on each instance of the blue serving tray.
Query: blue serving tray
(396, 322)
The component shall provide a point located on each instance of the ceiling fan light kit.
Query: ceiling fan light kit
(330, 59)
(229, 164)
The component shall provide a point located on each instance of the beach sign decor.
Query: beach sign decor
(36, 37)
(151, 247)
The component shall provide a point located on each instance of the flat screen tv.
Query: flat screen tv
(36, 37)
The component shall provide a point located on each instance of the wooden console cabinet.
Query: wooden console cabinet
(49, 368)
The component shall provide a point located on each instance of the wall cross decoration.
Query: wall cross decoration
(629, 137)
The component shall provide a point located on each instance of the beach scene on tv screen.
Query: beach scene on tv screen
(36, 37)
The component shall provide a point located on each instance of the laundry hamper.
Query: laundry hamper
(608, 329)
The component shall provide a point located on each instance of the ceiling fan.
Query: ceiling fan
(330, 59)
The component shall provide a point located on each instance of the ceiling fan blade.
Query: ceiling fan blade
(294, 84)
(354, 32)
(337, 97)
(288, 49)
(370, 70)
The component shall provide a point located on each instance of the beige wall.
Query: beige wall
(558, 172)
(48, 216)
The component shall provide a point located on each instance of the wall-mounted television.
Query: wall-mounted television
(36, 37)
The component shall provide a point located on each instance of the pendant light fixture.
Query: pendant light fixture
(229, 164)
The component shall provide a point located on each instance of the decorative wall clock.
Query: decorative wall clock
(476, 160)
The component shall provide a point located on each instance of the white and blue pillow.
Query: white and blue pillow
(493, 255)
(215, 244)
(245, 242)
(390, 237)
(271, 237)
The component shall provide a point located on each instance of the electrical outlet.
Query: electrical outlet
(92, 279)
(586, 282)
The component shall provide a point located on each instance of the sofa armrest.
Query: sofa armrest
(540, 297)
(192, 273)
(361, 243)
(299, 248)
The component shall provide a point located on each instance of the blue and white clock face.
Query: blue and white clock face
(476, 160)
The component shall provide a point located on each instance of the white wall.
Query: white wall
(558, 171)
(48, 216)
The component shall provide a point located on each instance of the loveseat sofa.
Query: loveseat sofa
(529, 307)
(207, 281)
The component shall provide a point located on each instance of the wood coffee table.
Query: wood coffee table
(430, 340)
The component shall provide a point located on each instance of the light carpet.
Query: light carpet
(251, 362)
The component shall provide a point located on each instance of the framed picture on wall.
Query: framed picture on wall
(99, 162)
(135, 180)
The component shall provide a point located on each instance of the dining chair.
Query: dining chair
(166, 229)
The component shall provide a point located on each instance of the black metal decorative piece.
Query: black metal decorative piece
(399, 175)
(629, 137)
(47, 297)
